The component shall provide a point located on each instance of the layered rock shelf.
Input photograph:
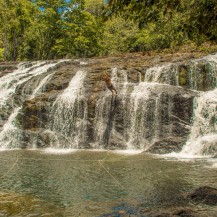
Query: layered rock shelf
(153, 110)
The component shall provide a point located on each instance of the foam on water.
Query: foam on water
(185, 156)
(214, 165)
(59, 151)
(127, 152)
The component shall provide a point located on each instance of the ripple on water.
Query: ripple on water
(93, 183)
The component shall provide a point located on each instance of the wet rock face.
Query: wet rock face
(154, 116)
(199, 76)
(160, 122)
(179, 120)
(7, 67)
(35, 111)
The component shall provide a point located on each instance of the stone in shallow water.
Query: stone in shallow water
(123, 210)
(169, 212)
(15, 204)
(205, 195)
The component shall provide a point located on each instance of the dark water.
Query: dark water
(94, 183)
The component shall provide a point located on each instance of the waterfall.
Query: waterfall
(12, 135)
(164, 74)
(138, 108)
(9, 82)
(158, 109)
(57, 105)
(203, 136)
(69, 114)
(40, 88)
(12, 81)
(106, 108)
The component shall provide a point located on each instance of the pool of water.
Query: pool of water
(99, 183)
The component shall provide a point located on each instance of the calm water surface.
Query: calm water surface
(98, 183)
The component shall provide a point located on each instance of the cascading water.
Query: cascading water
(203, 137)
(105, 109)
(11, 135)
(152, 111)
(156, 109)
(68, 117)
(40, 88)
(139, 108)
(147, 113)
(12, 81)
(164, 74)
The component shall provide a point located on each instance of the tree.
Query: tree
(48, 29)
(118, 35)
(94, 7)
(81, 34)
(15, 17)
(144, 11)
(200, 22)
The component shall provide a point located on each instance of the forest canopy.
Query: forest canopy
(51, 29)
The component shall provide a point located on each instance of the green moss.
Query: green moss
(183, 76)
(142, 76)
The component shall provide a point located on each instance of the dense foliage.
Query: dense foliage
(50, 29)
(43, 29)
(196, 18)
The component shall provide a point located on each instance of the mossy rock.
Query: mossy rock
(183, 76)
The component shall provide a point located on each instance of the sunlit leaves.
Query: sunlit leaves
(201, 14)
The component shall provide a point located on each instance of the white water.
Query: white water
(40, 88)
(103, 114)
(10, 134)
(202, 141)
(138, 109)
(68, 115)
(203, 136)
(139, 100)
(135, 103)
(10, 82)
(59, 151)
(210, 58)
(164, 74)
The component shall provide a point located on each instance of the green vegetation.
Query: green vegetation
(45, 29)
